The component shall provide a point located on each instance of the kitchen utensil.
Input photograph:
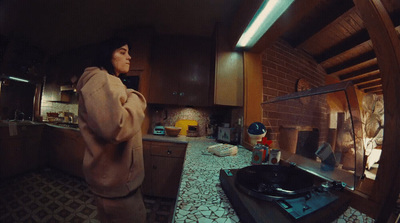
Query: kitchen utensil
(172, 131)
(184, 124)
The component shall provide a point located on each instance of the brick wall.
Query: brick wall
(282, 66)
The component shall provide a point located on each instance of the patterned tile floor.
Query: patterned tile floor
(52, 196)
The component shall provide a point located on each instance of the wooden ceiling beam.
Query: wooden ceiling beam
(323, 15)
(370, 84)
(352, 62)
(375, 89)
(346, 44)
(367, 79)
(360, 72)
(356, 67)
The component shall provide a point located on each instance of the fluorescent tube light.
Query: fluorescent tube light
(265, 16)
(18, 79)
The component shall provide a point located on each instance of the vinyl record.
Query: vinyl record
(270, 182)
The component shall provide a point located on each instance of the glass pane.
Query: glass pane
(319, 130)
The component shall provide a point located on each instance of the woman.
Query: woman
(110, 119)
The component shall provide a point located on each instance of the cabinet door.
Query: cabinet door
(165, 70)
(163, 163)
(228, 89)
(194, 80)
(140, 49)
(168, 149)
(21, 153)
(65, 150)
(166, 176)
(12, 159)
(180, 71)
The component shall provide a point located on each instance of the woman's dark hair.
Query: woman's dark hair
(105, 50)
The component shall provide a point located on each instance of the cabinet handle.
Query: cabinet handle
(169, 152)
(181, 94)
(154, 167)
(174, 93)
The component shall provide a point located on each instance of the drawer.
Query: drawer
(168, 149)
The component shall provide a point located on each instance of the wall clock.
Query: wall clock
(303, 85)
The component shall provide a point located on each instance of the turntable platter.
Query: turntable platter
(271, 182)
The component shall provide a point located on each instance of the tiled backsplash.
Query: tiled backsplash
(58, 107)
(169, 115)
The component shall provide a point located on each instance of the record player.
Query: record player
(321, 159)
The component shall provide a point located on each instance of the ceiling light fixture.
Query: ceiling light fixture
(266, 15)
(18, 79)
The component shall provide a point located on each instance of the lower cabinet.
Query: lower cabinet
(65, 149)
(21, 152)
(163, 168)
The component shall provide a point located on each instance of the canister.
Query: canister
(274, 156)
(259, 154)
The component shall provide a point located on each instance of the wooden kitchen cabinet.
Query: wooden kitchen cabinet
(228, 85)
(180, 71)
(140, 43)
(65, 149)
(163, 168)
(22, 152)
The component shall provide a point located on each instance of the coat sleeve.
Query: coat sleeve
(113, 113)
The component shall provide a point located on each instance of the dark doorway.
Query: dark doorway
(16, 100)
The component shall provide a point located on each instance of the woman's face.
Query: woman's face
(121, 60)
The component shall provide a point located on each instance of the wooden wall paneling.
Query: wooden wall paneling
(253, 97)
(387, 48)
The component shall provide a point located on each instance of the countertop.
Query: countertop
(19, 122)
(201, 198)
(159, 138)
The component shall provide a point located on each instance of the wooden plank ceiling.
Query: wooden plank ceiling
(334, 35)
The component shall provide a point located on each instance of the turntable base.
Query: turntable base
(250, 209)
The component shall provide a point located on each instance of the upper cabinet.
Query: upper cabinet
(140, 41)
(180, 72)
(228, 85)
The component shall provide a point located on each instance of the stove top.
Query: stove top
(269, 193)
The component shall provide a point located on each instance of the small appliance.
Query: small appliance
(159, 130)
(228, 135)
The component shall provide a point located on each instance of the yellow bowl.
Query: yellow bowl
(172, 131)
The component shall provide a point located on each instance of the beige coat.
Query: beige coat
(110, 119)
